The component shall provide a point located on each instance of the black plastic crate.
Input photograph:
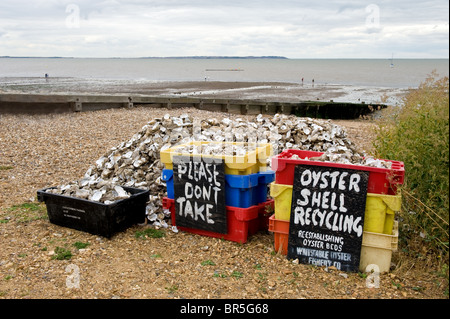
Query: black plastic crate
(94, 217)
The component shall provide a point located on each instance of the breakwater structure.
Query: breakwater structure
(57, 103)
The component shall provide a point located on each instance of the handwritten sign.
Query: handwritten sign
(199, 190)
(327, 216)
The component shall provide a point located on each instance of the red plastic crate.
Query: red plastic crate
(265, 210)
(241, 222)
(280, 229)
(381, 180)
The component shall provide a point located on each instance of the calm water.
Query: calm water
(359, 72)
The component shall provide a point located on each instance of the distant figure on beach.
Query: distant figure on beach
(46, 75)
(313, 82)
(302, 81)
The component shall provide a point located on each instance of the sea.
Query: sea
(367, 72)
(24, 74)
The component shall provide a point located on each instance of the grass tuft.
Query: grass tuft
(417, 133)
(150, 233)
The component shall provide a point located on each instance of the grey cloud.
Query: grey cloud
(286, 27)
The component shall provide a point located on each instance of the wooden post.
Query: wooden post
(77, 105)
(130, 102)
(226, 107)
(244, 108)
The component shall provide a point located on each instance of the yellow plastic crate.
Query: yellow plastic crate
(377, 248)
(380, 212)
(282, 196)
(254, 160)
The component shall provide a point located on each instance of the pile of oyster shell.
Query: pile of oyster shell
(282, 131)
(341, 155)
(136, 163)
(217, 149)
(346, 158)
(98, 190)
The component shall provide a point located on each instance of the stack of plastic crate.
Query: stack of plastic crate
(246, 190)
(380, 236)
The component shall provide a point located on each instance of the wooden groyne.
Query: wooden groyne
(46, 103)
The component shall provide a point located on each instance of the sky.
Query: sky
(162, 28)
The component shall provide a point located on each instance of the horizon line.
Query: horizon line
(274, 57)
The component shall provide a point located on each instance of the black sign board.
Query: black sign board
(327, 216)
(199, 190)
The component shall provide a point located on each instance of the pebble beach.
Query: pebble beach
(48, 150)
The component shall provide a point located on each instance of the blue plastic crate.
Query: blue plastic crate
(167, 176)
(260, 191)
(241, 191)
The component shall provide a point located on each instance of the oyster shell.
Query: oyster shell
(97, 190)
(136, 163)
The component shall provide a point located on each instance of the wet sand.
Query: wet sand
(266, 91)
